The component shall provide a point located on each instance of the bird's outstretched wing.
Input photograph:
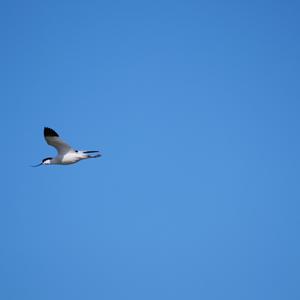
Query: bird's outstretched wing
(53, 139)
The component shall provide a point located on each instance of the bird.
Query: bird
(66, 155)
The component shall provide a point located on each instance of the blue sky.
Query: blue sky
(195, 107)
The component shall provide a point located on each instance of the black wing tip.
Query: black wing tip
(49, 132)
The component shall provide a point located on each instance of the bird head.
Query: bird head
(45, 161)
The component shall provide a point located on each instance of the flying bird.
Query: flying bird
(65, 154)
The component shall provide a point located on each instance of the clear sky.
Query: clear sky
(195, 108)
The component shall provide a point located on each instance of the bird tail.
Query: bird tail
(90, 151)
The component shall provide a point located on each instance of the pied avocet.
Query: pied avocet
(65, 154)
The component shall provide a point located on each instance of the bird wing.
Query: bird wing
(53, 139)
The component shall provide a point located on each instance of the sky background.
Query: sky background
(195, 108)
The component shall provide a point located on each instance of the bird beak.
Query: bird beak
(37, 165)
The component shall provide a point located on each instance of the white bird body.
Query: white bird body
(68, 158)
(65, 154)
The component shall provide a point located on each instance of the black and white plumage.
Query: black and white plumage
(65, 153)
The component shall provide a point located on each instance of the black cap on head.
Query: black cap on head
(46, 159)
